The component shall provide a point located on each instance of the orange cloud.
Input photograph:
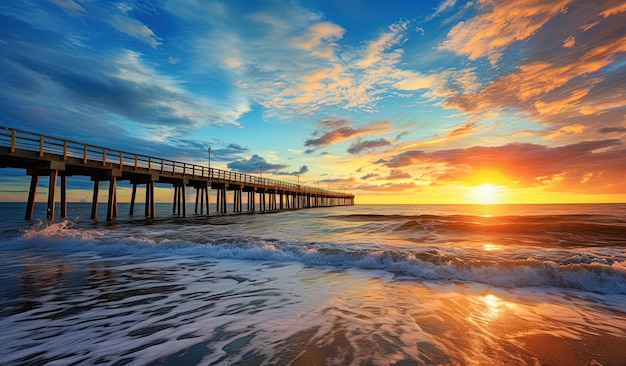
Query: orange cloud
(344, 132)
(501, 23)
(596, 166)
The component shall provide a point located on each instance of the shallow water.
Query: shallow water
(427, 285)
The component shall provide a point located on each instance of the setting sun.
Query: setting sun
(485, 194)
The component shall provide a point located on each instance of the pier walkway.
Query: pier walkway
(54, 158)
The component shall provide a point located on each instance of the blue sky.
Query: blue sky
(396, 101)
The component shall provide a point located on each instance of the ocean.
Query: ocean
(354, 285)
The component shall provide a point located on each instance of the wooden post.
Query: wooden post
(94, 200)
(52, 188)
(197, 199)
(223, 199)
(30, 206)
(152, 200)
(174, 201)
(63, 196)
(132, 200)
(111, 201)
(206, 196)
(147, 205)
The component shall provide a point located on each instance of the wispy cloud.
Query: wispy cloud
(359, 146)
(559, 85)
(499, 24)
(345, 132)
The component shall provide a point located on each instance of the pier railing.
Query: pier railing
(16, 139)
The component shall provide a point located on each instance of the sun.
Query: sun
(485, 193)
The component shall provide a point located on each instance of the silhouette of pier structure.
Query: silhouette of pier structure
(56, 158)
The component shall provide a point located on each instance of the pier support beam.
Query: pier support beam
(112, 202)
(94, 199)
(150, 206)
(180, 204)
(30, 205)
(63, 196)
(132, 200)
(52, 189)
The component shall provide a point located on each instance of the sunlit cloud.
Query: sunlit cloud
(500, 24)
(530, 165)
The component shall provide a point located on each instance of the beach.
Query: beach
(360, 285)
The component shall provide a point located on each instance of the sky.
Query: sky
(451, 101)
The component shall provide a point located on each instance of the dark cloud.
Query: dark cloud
(303, 169)
(369, 176)
(228, 153)
(255, 164)
(358, 146)
(343, 133)
(612, 129)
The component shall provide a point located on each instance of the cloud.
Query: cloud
(528, 165)
(312, 68)
(612, 129)
(230, 152)
(444, 5)
(463, 130)
(388, 187)
(359, 146)
(254, 164)
(344, 133)
(117, 16)
(76, 86)
(303, 169)
(398, 174)
(370, 175)
(499, 24)
(135, 29)
(558, 85)
(70, 6)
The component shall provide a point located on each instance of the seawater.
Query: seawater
(358, 285)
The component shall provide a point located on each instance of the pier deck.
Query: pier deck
(55, 158)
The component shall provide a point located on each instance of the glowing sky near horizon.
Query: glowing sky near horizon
(482, 101)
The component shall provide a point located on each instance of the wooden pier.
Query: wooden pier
(57, 158)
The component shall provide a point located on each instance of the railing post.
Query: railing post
(13, 140)
(121, 159)
(64, 150)
(104, 156)
(41, 146)
(136, 161)
(149, 162)
(85, 154)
